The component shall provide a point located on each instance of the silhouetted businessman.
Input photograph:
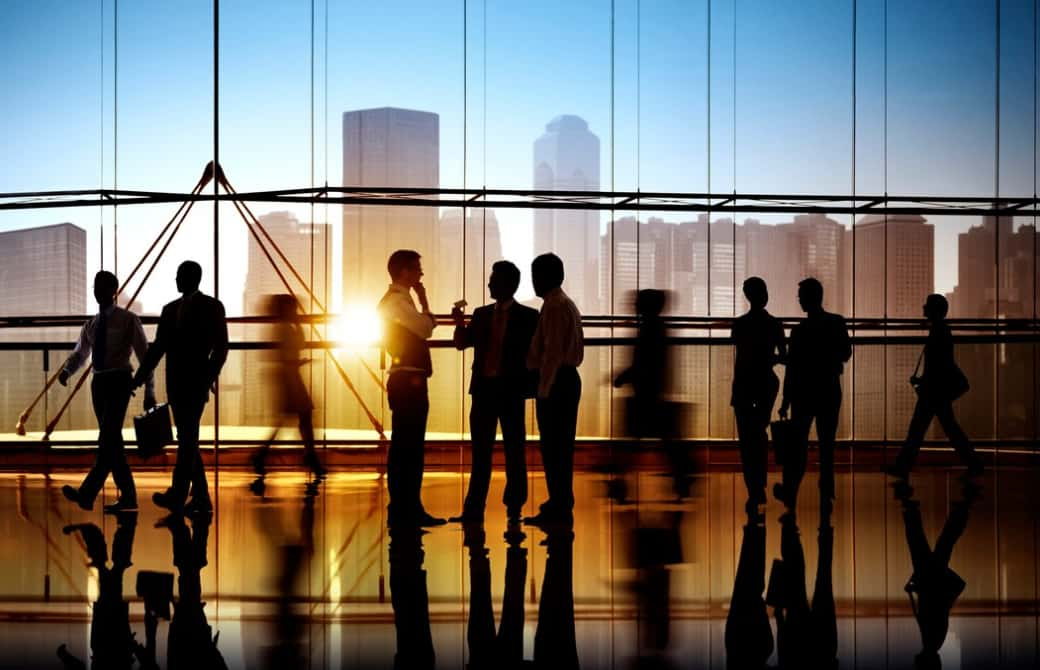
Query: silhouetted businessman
(939, 385)
(108, 339)
(806, 636)
(112, 643)
(405, 334)
(500, 335)
(819, 348)
(192, 644)
(290, 391)
(749, 638)
(555, 644)
(193, 336)
(410, 599)
(557, 349)
(758, 338)
(933, 587)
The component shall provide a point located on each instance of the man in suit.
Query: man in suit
(500, 335)
(107, 340)
(557, 349)
(820, 347)
(193, 336)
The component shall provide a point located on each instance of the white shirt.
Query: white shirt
(123, 333)
(398, 307)
(558, 340)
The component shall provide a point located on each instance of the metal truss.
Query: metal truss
(540, 199)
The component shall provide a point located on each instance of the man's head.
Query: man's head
(756, 292)
(810, 295)
(405, 267)
(282, 306)
(189, 276)
(505, 279)
(105, 287)
(936, 307)
(650, 302)
(546, 273)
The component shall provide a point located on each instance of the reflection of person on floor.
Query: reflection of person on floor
(193, 336)
(933, 587)
(486, 650)
(112, 644)
(293, 398)
(749, 639)
(806, 637)
(108, 339)
(819, 348)
(555, 644)
(758, 338)
(406, 332)
(648, 413)
(938, 386)
(410, 599)
(500, 335)
(557, 349)
(192, 644)
(656, 547)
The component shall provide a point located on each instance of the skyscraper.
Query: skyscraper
(386, 147)
(43, 272)
(566, 157)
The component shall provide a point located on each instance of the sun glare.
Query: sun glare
(357, 328)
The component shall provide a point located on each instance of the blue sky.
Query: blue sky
(781, 111)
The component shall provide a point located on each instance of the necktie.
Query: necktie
(100, 340)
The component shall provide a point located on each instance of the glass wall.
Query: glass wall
(846, 99)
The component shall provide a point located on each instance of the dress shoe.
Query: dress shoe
(544, 518)
(166, 500)
(513, 516)
(122, 505)
(73, 494)
(780, 493)
(467, 518)
(426, 519)
(312, 461)
(198, 506)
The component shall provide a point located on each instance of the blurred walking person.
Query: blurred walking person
(107, 339)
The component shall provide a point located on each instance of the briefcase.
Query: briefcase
(153, 430)
(783, 436)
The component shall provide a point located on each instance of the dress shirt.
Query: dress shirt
(398, 307)
(557, 341)
(123, 333)
(499, 321)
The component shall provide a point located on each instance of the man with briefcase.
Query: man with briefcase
(107, 339)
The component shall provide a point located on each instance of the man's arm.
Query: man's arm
(140, 346)
(399, 309)
(219, 354)
(155, 351)
(462, 336)
(845, 343)
(75, 360)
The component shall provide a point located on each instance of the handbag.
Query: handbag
(153, 430)
(783, 436)
(954, 387)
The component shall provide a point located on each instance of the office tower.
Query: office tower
(996, 278)
(462, 259)
(306, 246)
(43, 272)
(895, 272)
(566, 157)
(386, 147)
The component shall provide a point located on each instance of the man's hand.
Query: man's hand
(63, 378)
(420, 293)
(459, 316)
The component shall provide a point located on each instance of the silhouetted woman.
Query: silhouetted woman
(293, 399)
(939, 385)
(759, 340)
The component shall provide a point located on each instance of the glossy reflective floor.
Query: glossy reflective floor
(315, 581)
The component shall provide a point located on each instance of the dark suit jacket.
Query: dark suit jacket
(193, 336)
(519, 331)
(819, 348)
